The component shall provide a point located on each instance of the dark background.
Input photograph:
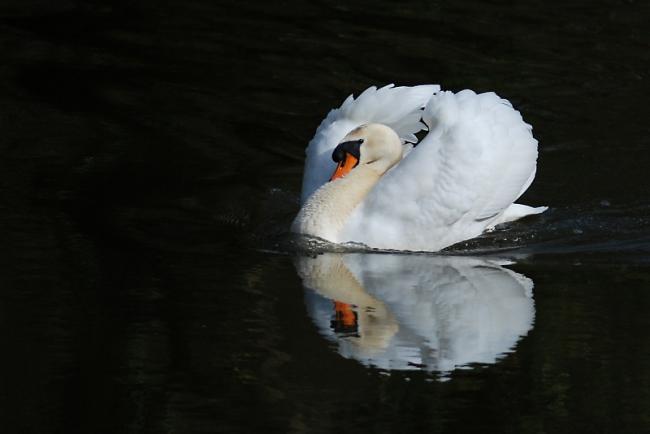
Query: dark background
(151, 159)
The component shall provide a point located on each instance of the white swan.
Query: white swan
(403, 312)
(478, 157)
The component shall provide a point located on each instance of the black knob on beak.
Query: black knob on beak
(352, 147)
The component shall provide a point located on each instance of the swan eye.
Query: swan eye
(351, 147)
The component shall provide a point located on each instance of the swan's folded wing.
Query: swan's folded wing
(477, 159)
(397, 107)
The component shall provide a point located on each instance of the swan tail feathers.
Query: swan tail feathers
(517, 211)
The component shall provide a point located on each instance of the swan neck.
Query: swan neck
(325, 213)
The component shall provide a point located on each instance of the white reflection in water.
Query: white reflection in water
(417, 312)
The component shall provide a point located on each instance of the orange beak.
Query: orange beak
(345, 166)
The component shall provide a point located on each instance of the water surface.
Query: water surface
(151, 163)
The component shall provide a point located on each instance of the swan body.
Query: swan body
(463, 177)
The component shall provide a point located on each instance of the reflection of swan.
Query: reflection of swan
(417, 312)
(464, 176)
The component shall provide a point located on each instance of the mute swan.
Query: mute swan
(477, 158)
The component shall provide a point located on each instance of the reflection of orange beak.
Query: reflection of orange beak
(345, 314)
(344, 167)
(345, 319)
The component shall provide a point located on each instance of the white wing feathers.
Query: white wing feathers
(477, 159)
(398, 107)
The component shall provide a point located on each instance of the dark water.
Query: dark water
(151, 163)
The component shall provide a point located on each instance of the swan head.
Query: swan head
(376, 146)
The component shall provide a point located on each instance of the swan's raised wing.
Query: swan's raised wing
(398, 107)
(477, 159)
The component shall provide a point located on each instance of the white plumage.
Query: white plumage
(478, 157)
